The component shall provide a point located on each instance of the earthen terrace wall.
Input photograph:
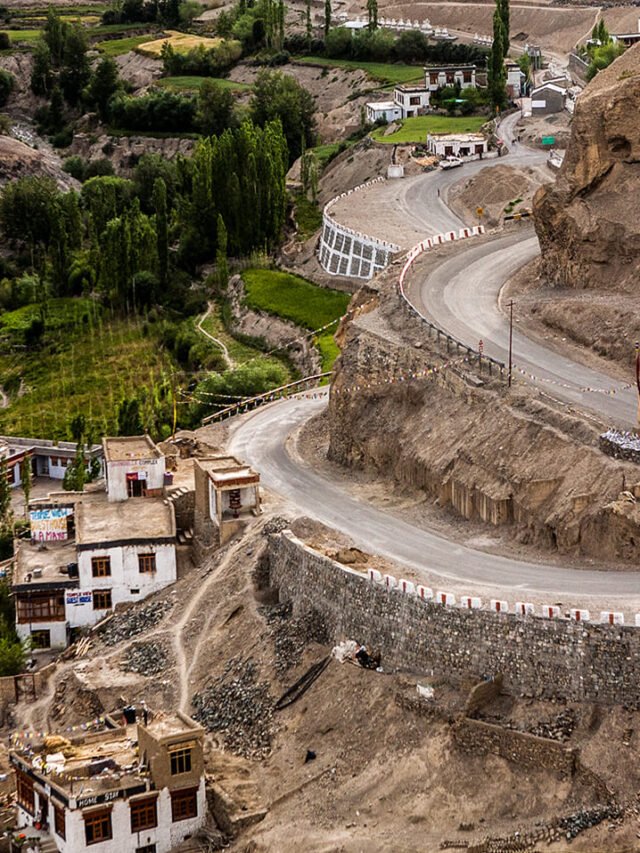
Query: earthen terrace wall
(544, 658)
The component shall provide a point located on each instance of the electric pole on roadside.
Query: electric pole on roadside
(510, 340)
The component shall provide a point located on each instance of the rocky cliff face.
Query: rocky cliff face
(588, 222)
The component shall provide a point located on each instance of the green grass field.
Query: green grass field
(239, 352)
(192, 84)
(299, 301)
(28, 37)
(85, 364)
(382, 71)
(116, 47)
(416, 129)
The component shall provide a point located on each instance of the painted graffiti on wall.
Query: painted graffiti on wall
(49, 525)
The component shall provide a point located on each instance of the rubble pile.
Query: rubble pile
(146, 658)
(568, 828)
(620, 445)
(276, 525)
(559, 728)
(292, 634)
(239, 707)
(128, 624)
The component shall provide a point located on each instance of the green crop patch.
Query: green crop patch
(416, 129)
(385, 72)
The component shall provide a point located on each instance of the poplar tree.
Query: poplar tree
(327, 16)
(503, 8)
(162, 229)
(496, 75)
(372, 10)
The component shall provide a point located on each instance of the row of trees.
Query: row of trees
(124, 236)
(380, 45)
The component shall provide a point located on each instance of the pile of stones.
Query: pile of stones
(146, 658)
(559, 728)
(135, 621)
(276, 525)
(240, 708)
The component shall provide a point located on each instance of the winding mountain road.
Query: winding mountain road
(461, 295)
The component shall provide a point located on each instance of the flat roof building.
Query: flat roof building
(47, 458)
(227, 493)
(134, 467)
(115, 789)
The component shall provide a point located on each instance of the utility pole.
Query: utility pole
(510, 340)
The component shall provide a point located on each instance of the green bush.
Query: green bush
(7, 84)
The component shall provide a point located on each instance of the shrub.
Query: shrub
(7, 84)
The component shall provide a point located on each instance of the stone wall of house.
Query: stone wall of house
(539, 657)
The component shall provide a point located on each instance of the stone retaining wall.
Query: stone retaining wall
(522, 748)
(343, 251)
(539, 657)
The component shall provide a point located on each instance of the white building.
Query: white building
(120, 789)
(515, 81)
(412, 100)
(134, 467)
(383, 110)
(47, 458)
(90, 551)
(227, 494)
(456, 144)
(439, 76)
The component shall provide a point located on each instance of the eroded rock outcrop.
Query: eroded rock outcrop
(587, 222)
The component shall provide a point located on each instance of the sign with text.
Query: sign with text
(50, 524)
(75, 597)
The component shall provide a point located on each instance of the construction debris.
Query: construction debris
(146, 658)
(134, 621)
(240, 708)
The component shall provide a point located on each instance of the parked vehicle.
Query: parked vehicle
(450, 162)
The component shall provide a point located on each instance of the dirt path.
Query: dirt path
(183, 667)
(225, 352)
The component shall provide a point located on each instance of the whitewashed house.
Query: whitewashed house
(90, 551)
(457, 144)
(117, 788)
(412, 100)
(383, 111)
(440, 76)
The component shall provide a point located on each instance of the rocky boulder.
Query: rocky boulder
(18, 160)
(587, 221)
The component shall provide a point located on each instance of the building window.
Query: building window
(101, 567)
(11, 475)
(415, 101)
(180, 761)
(184, 804)
(148, 848)
(147, 563)
(40, 607)
(97, 826)
(59, 821)
(102, 599)
(143, 814)
(466, 76)
(24, 792)
(54, 461)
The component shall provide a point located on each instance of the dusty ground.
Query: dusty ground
(384, 777)
(494, 189)
(595, 326)
(532, 129)
(339, 94)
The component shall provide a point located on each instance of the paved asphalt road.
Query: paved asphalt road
(462, 296)
(261, 439)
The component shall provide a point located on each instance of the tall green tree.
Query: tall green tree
(162, 229)
(215, 108)
(104, 84)
(505, 17)
(221, 254)
(55, 35)
(26, 478)
(129, 420)
(327, 16)
(279, 96)
(372, 12)
(41, 73)
(496, 72)
(76, 69)
(5, 493)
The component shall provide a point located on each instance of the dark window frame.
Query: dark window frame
(101, 820)
(25, 792)
(144, 813)
(181, 760)
(147, 564)
(98, 596)
(184, 804)
(101, 567)
(59, 820)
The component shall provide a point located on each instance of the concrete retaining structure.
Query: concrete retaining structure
(550, 658)
(343, 251)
